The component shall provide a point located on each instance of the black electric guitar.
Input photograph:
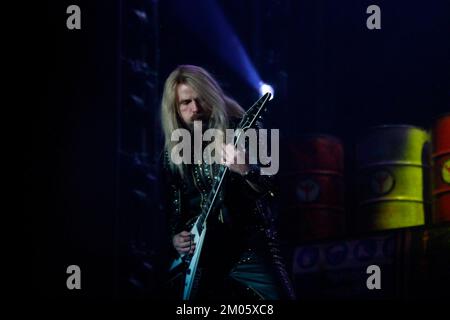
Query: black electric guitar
(189, 262)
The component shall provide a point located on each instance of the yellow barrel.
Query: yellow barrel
(393, 179)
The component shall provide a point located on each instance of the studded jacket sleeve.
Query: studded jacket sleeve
(171, 188)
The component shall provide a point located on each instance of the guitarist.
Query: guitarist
(239, 258)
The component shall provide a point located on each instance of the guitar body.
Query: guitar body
(189, 263)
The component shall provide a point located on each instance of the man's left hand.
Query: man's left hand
(235, 159)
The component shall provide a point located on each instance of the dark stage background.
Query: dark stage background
(97, 140)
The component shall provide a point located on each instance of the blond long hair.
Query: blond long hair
(219, 106)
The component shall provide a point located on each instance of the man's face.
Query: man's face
(190, 105)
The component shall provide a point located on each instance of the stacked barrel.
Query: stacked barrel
(398, 202)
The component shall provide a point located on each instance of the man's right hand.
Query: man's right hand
(183, 242)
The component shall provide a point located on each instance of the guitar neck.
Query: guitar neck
(246, 122)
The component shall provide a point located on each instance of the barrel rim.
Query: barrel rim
(381, 164)
(440, 191)
(440, 154)
(398, 199)
(440, 116)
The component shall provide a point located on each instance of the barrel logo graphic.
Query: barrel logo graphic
(308, 190)
(446, 171)
(308, 257)
(382, 182)
(337, 254)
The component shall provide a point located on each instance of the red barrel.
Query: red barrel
(441, 169)
(313, 188)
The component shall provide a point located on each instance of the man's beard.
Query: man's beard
(201, 118)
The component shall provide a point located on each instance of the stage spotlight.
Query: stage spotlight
(219, 36)
(264, 88)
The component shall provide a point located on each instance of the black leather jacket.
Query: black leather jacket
(241, 221)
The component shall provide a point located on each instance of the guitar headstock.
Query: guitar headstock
(255, 112)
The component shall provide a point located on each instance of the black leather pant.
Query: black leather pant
(252, 274)
(249, 279)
